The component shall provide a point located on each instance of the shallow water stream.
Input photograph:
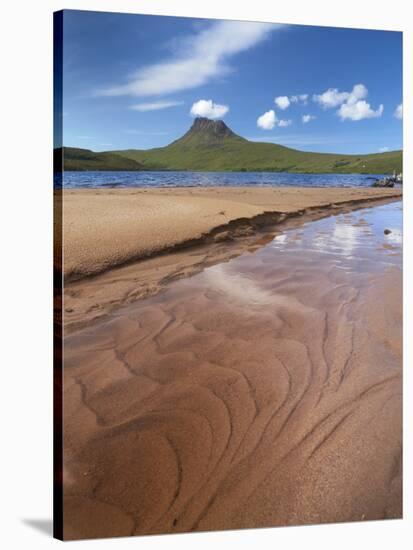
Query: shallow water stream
(265, 390)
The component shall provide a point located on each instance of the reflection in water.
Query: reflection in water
(241, 289)
(349, 237)
(281, 239)
(395, 236)
(236, 286)
(263, 391)
(345, 237)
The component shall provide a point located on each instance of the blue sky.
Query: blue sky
(137, 81)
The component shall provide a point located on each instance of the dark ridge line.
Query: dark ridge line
(267, 218)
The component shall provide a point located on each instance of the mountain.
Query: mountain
(211, 146)
(206, 133)
(84, 159)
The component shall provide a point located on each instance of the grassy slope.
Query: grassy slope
(237, 154)
(84, 159)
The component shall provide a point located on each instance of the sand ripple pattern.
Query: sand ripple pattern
(239, 398)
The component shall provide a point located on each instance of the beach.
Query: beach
(105, 228)
(139, 240)
(228, 275)
(233, 358)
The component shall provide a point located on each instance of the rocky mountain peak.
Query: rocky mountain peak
(217, 128)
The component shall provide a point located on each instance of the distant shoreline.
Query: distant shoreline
(194, 179)
(210, 145)
(228, 170)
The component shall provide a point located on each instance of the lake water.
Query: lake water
(203, 179)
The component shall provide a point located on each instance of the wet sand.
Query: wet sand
(262, 391)
(135, 242)
(105, 228)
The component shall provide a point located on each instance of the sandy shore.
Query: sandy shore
(106, 228)
(260, 392)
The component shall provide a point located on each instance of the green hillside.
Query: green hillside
(212, 146)
(84, 159)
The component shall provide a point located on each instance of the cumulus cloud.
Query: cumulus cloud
(284, 123)
(352, 105)
(331, 98)
(267, 121)
(383, 149)
(155, 106)
(301, 98)
(359, 111)
(282, 102)
(198, 58)
(398, 113)
(358, 92)
(207, 108)
(307, 118)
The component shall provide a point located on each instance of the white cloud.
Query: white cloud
(383, 149)
(282, 102)
(284, 123)
(398, 113)
(267, 121)
(199, 58)
(333, 97)
(352, 104)
(359, 111)
(155, 106)
(330, 98)
(307, 118)
(207, 108)
(301, 98)
(358, 92)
